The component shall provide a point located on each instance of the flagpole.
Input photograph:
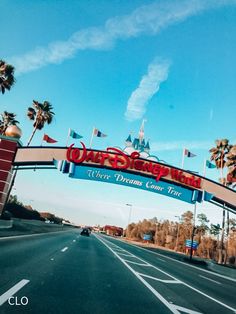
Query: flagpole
(91, 140)
(182, 164)
(42, 140)
(68, 137)
(204, 168)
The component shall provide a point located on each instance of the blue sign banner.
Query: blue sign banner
(189, 242)
(147, 237)
(131, 180)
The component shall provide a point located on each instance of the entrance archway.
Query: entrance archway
(112, 166)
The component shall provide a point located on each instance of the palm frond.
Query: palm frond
(214, 150)
(6, 76)
(218, 143)
(31, 113)
(230, 163)
(2, 89)
(225, 142)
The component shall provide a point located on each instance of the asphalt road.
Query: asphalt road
(64, 272)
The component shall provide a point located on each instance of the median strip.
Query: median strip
(5, 296)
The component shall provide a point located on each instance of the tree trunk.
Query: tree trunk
(32, 135)
(221, 166)
(227, 242)
(208, 253)
(222, 239)
(227, 232)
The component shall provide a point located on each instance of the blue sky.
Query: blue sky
(110, 64)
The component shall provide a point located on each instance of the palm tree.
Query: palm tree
(231, 164)
(218, 154)
(40, 115)
(7, 119)
(6, 76)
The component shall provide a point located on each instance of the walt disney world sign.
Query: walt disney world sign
(117, 159)
(83, 163)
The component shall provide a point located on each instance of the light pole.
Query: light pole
(193, 231)
(156, 233)
(130, 210)
(177, 238)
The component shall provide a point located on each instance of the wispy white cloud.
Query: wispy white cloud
(147, 19)
(175, 145)
(148, 87)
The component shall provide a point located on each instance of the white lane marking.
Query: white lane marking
(210, 279)
(160, 259)
(64, 249)
(174, 260)
(161, 280)
(183, 309)
(124, 254)
(116, 249)
(148, 264)
(158, 295)
(74, 240)
(135, 263)
(52, 259)
(187, 285)
(5, 296)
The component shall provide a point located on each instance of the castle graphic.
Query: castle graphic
(139, 144)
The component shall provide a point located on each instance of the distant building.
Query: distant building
(51, 217)
(113, 230)
(47, 216)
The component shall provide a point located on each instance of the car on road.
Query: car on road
(85, 232)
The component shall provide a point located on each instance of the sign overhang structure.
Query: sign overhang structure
(115, 166)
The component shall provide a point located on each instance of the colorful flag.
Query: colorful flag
(207, 196)
(197, 196)
(98, 133)
(58, 164)
(62, 165)
(48, 139)
(210, 165)
(187, 153)
(73, 134)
